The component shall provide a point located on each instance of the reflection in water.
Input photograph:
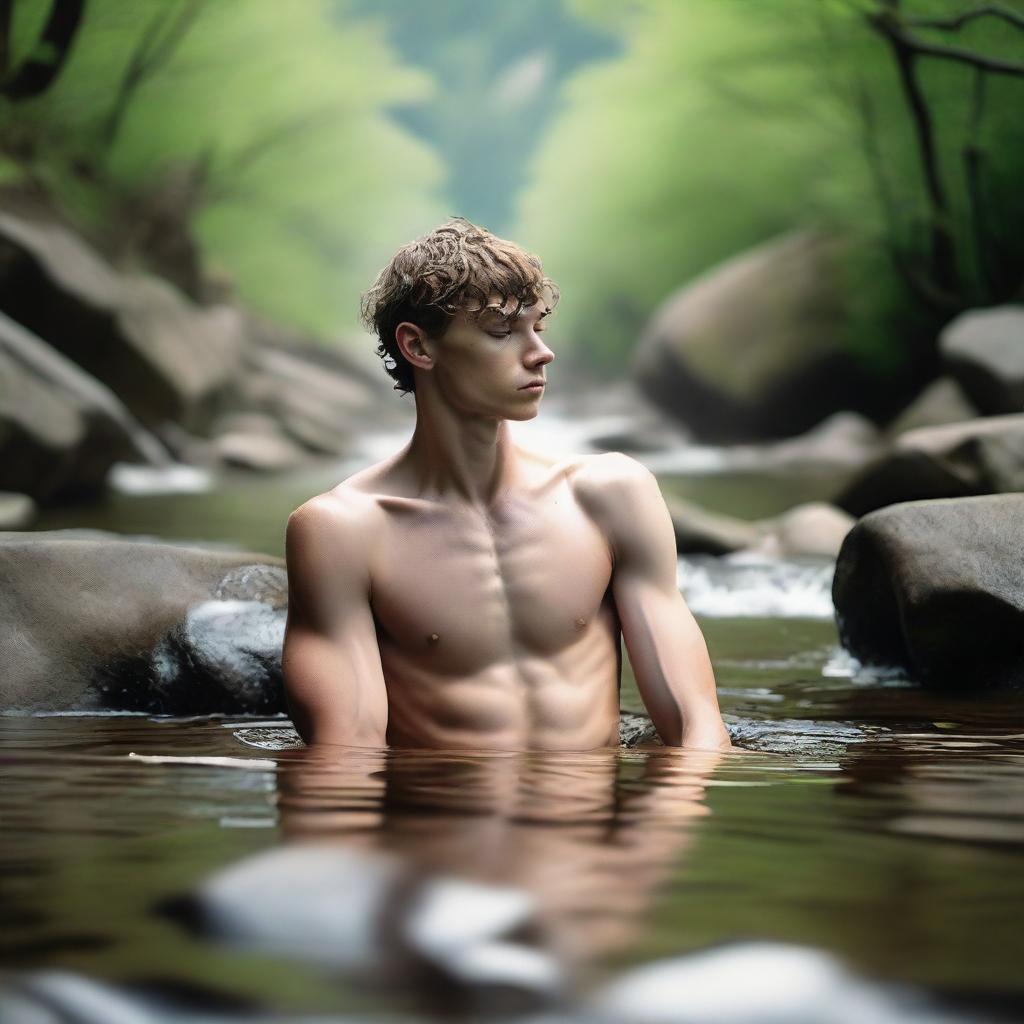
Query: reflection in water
(878, 826)
(465, 879)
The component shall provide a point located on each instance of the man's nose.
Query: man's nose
(539, 354)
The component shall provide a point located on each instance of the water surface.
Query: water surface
(868, 820)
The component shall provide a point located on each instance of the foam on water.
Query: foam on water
(174, 478)
(843, 665)
(743, 586)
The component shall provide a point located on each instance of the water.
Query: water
(165, 870)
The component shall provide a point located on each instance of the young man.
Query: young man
(465, 592)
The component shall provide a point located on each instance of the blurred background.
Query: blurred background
(759, 215)
(789, 239)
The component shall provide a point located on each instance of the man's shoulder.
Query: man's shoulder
(615, 490)
(606, 478)
(339, 514)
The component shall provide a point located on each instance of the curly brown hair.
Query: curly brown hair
(456, 267)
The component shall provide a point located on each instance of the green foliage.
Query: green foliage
(263, 128)
(727, 121)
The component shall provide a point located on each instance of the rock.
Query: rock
(935, 588)
(636, 729)
(107, 623)
(633, 730)
(840, 441)
(700, 532)
(984, 350)
(941, 402)
(320, 394)
(166, 358)
(316, 394)
(375, 917)
(60, 429)
(815, 530)
(981, 456)
(255, 441)
(754, 348)
(780, 983)
(16, 510)
(624, 421)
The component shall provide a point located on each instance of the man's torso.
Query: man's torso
(496, 627)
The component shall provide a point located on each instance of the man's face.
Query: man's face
(483, 366)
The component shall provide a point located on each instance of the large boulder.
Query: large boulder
(984, 351)
(60, 429)
(937, 589)
(111, 623)
(981, 456)
(166, 358)
(754, 348)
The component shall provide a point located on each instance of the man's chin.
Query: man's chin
(528, 413)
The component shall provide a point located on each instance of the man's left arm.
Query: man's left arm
(665, 645)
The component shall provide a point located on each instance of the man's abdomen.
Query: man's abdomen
(566, 701)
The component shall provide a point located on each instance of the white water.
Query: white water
(745, 586)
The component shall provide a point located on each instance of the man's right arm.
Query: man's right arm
(333, 680)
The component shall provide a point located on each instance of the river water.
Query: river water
(863, 860)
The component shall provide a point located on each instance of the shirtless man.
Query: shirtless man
(466, 593)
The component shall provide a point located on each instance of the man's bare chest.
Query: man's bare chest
(461, 590)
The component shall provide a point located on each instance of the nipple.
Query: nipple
(433, 638)
(580, 623)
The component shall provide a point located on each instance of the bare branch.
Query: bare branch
(154, 49)
(273, 137)
(892, 27)
(957, 22)
(6, 9)
(943, 260)
(48, 56)
(972, 176)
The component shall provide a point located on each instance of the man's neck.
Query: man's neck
(459, 458)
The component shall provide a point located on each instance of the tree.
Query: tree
(199, 138)
(725, 122)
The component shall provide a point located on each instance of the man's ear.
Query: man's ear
(414, 344)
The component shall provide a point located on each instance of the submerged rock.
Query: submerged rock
(380, 919)
(759, 983)
(937, 588)
(634, 729)
(108, 623)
